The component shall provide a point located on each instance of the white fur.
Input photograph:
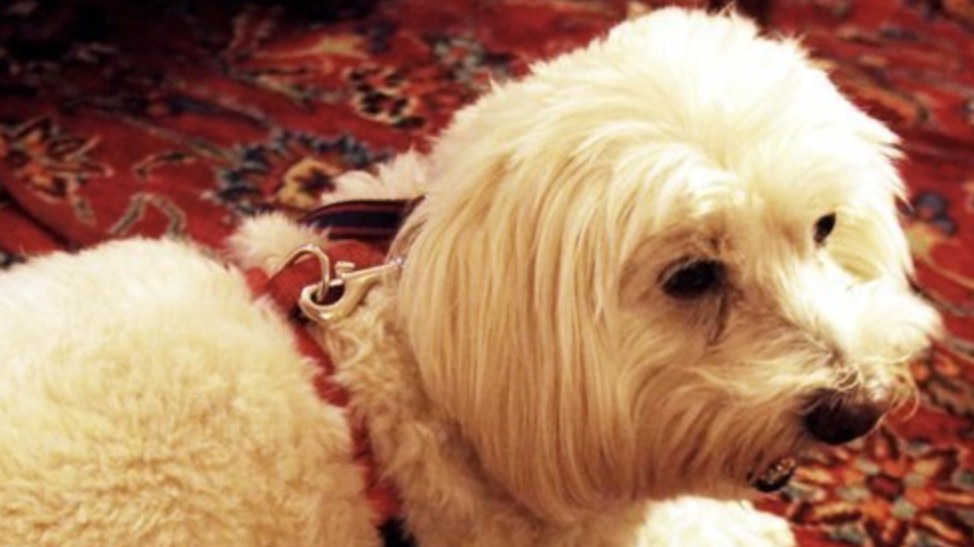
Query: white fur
(556, 204)
(148, 401)
(526, 380)
(265, 241)
(401, 179)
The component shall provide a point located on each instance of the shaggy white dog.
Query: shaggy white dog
(656, 268)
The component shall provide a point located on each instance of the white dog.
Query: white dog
(649, 273)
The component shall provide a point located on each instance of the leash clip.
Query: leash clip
(352, 284)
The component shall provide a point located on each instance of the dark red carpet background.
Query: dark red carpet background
(121, 118)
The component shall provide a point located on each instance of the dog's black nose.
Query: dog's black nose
(836, 417)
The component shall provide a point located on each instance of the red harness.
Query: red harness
(284, 288)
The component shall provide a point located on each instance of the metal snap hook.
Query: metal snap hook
(355, 284)
(320, 290)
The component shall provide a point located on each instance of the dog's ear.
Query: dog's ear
(506, 294)
(501, 306)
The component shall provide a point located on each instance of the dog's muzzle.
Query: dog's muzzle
(833, 417)
(836, 417)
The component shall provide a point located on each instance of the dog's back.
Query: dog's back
(147, 400)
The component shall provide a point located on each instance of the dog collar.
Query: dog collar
(339, 289)
(325, 290)
(285, 288)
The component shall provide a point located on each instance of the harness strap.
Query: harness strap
(284, 289)
(362, 231)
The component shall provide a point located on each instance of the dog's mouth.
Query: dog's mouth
(775, 476)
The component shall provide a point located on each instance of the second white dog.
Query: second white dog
(657, 267)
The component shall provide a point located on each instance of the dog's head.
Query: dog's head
(658, 265)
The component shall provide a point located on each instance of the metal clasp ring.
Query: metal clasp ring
(355, 285)
(319, 291)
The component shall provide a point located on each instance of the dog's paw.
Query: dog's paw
(697, 521)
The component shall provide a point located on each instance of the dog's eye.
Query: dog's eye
(824, 227)
(694, 279)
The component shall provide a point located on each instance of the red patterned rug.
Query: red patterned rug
(180, 117)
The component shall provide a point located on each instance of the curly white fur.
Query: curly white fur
(146, 400)
(526, 380)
